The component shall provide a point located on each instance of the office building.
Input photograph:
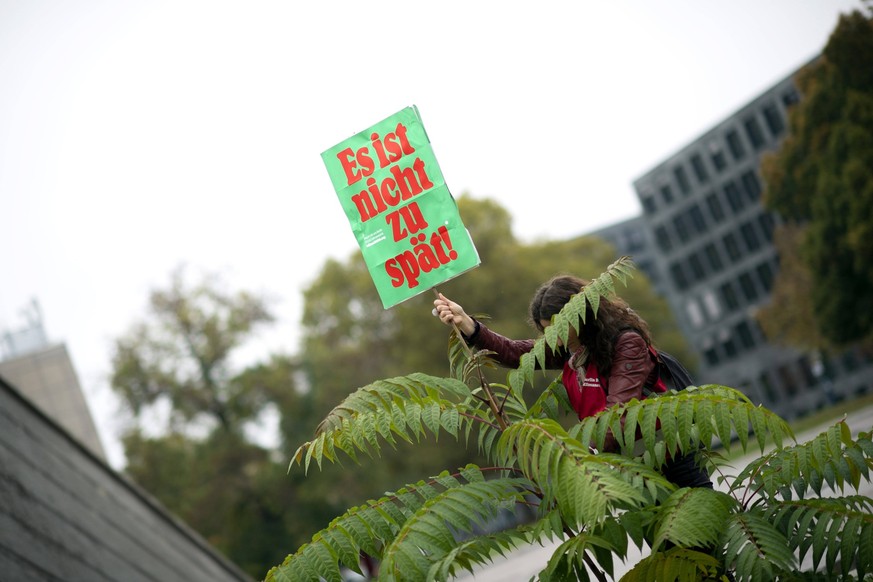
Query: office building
(710, 252)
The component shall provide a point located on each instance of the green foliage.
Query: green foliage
(676, 565)
(832, 458)
(349, 340)
(762, 528)
(181, 354)
(203, 468)
(403, 406)
(822, 178)
(413, 530)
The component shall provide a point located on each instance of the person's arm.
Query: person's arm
(631, 366)
(507, 351)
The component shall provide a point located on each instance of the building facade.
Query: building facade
(710, 252)
(44, 373)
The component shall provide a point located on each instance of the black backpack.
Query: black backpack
(683, 471)
(671, 372)
(674, 374)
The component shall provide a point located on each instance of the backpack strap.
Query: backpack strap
(677, 377)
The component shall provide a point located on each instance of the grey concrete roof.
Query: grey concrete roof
(66, 515)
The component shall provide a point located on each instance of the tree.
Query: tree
(178, 363)
(822, 178)
(182, 357)
(774, 514)
(788, 319)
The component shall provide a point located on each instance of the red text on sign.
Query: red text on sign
(425, 256)
(389, 149)
(402, 185)
(405, 221)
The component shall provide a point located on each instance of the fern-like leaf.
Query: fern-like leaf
(410, 528)
(568, 560)
(675, 565)
(832, 457)
(427, 536)
(756, 548)
(551, 402)
(586, 487)
(687, 420)
(476, 551)
(404, 406)
(573, 312)
(838, 529)
(693, 518)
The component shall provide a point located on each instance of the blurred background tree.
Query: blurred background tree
(821, 182)
(175, 373)
(204, 466)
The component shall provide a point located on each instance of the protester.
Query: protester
(609, 362)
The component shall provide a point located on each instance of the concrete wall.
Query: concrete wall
(47, 378)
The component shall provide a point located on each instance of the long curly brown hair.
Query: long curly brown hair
(599, 333)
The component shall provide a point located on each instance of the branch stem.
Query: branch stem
(492, 403)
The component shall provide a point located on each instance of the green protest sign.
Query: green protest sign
(401, 212)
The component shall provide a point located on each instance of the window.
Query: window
(667, 193)
(717, 156)
(733, 196)
(679, 278)
(663, 239)
(827, 367)
(699, 169)
(696, 218)
(765, 275)
(711, 304)
(750, 236)
(634, 240)
(735, 145)
(648, 267)
(712, 256)
(787, 379)
(754, 133)
(752, 186)
(806, 370)
(729, 347)
(767, 384)
(696, 266)
(648, 203)
(729, 296)
(710, 353)
(711, 356)
(731, 246)
(766, 221)
(789, 98)
(695, 314)
(715, 208)
(680, 227)
(744, 334)
(773, 119)
(748, 287)
(682, 179)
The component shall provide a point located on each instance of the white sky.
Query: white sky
(136, 136)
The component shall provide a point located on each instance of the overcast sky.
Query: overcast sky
(138, 136)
